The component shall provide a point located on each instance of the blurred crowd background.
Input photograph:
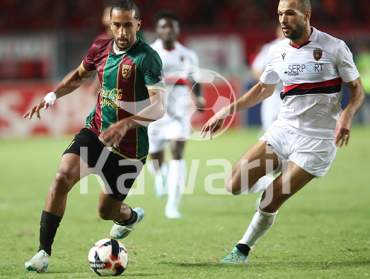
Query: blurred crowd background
(41, 40)
(236, 15)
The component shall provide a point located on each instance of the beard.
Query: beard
(296, 33)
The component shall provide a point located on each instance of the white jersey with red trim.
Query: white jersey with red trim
(179, 63)
(312, 75)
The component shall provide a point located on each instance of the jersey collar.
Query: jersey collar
(116, 51)
(310, 39)
(159, 42)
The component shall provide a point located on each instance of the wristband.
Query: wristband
(50, 98)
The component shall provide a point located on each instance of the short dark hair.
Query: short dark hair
(305, 5)
(125, 5)
(166, 14)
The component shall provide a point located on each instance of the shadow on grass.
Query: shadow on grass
(318, 265)
(255, 264)
(142, 274)
(199, 264)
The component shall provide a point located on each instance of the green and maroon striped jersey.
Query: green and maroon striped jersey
(124, 79)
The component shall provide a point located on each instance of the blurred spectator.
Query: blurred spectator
(363, 65)
(236, 14)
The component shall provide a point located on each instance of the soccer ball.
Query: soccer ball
(108, 257)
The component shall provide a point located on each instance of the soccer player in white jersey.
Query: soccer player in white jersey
(312, 66)
(270, 106)
(180, 66)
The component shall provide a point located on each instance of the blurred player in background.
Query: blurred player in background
(106, 20)
(180, 66)
(312, 66)
(95, 86)
(271, 106)
(115, 138)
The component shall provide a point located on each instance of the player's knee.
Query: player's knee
(64, 178)
(177, 154)
(63, 182)
(232, 188)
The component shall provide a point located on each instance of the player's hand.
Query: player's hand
(200, 103)
(36, 109)
(47, 102)
(343, 130)
(113, 136)
(213, 125)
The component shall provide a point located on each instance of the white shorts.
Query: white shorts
(176, 123)
(314, 155)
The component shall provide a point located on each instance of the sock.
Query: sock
(49, 224)
(175, 183)
(259, 225)
(159, 177)
(129, 221)
(243, 248)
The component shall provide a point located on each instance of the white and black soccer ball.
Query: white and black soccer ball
(108, 257)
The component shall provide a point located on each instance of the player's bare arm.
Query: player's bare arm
(196, 92)
(255, 95)
(70, 82)
(114, 134)
(342, 132)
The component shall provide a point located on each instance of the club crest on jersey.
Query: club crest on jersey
(126, 71)
(317, 54)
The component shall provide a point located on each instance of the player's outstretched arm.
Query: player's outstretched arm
(255, 95)
(155, 110)
(69, 83)
(342, 132)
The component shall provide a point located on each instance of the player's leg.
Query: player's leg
(158, 158)
(283, 187)
(119, 175)
(123, 216)
(254, 164)
(157, 141)
(160, 171)
(175, 179)
(70, 171)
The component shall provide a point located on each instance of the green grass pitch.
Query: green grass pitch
(323, 232)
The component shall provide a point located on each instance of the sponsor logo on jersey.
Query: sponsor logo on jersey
(297, 69)
(317, 54)
(112, 97)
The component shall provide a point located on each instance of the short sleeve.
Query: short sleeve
(269, 75)
(152, 69)
(89, 59)
(346, 66)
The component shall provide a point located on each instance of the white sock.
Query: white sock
(175, 183)
(159, 177)
(150, 167)
(259, 225)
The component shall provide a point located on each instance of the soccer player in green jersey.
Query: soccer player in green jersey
(114, 142)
